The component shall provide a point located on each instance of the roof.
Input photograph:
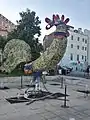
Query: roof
(6, 19)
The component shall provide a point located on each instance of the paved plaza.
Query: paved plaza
(79, 106)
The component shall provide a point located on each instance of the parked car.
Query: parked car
(64, 70)
(69, 69)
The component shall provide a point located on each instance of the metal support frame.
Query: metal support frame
(65, 104)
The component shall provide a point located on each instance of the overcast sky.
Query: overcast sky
(77, 10)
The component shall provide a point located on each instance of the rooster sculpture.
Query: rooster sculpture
(55, 52)
(16, 50)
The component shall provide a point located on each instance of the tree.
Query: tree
(3, 42)
(36, 50)
(27, 28)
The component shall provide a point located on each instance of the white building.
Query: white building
(87, 32)
(76, 55)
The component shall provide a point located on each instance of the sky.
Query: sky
(77, 10)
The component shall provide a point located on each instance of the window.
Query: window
(9, 26)
(2, 23)
(77, 46)
(77, 57)
(82, 57)
(83, 39)
(71, 45)
(85, 58)
(83, 48)
(71, 56)
(78, 38)
(72, 37)
(5, 26)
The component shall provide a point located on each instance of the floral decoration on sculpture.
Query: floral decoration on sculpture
(61, 25)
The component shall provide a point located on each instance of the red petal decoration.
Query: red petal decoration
(66, 21)
(62, 18)
(47, 20)
(57, 16)
(54, 18)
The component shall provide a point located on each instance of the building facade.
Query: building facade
(5, 26)
(87, 32)
(77, 51)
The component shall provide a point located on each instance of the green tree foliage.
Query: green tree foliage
(27, 28)
(3, 41)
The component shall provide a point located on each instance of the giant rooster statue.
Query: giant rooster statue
(16, 50)
(55, 52)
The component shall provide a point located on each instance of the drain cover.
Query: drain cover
(3, 88)
(16, 100)
(56, 84)
(84, 91)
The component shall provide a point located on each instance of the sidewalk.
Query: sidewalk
(79, 107)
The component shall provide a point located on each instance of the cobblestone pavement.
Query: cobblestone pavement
(79, 106)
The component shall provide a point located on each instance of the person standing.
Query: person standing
(87, 72)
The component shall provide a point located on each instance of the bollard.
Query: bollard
(61, 82)
(65, 106)
(86, 91)
(2, 85)
(21, 82)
